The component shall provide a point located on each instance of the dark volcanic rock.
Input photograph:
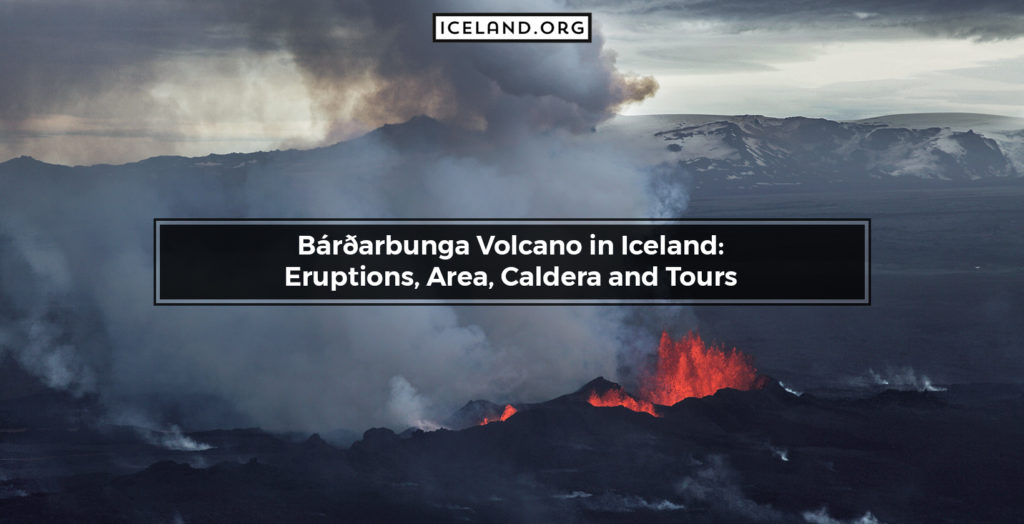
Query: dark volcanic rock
(736, 456)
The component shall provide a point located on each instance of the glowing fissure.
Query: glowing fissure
(615, 397)
(686, 368)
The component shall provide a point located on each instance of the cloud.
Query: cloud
(987, 19)
(115, 79)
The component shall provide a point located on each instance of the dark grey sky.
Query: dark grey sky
(119, 80)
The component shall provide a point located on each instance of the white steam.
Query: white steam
(781, 453)
(617, 503)
(76, 246)
(790, 390)
(38, 337)
(821, 516)
(896, 378)
(88, 323)
(167, 436)
(173, 439)
(407, 407)
(716, 484)
(574, 495)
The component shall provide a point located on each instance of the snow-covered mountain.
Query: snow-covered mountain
(752, 150)
(706, 152)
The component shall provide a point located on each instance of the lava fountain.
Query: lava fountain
(505, 414)
(689, 368)
(686, 368)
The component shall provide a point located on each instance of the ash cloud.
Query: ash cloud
(97, 74)
(372, 63)
(78, 243)
(95, 330)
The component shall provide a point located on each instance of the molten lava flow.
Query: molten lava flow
(688, 368)
(505, 414)
(616, 397)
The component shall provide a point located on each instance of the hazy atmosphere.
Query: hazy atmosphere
(508, 133)
(116, 112)
(115, 81)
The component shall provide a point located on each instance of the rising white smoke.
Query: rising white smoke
(904, 378)
(617, 503)
(789, 389)
(77, 254)
(781, 453)
(821, 516)
(164, 435)
(173, 439)
(716, 484)
(407, 407)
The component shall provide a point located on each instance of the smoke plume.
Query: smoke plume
(508, 137)
(367, 64)
(821, 516)
(112, 81)
(717, 486)
(902, 378)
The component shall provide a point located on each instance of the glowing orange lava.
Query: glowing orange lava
(689, 368)
(685, 368)
(505, 414)
(614, 397)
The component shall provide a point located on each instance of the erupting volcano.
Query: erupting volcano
(505, 414)
(685, 368)
(689, 368)
(617, 397)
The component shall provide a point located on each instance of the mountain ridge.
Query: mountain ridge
(423, 130)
